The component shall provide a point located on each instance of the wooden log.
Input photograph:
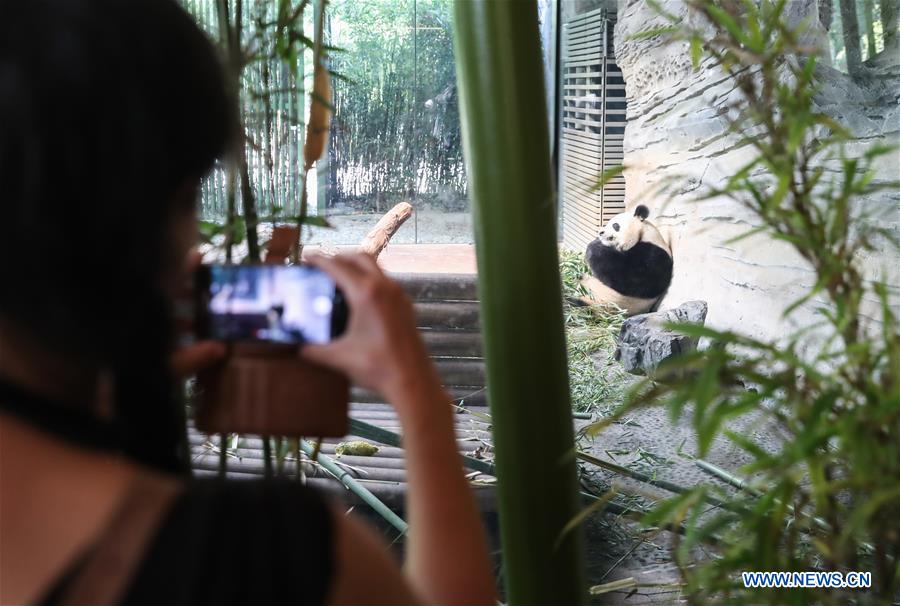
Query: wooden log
(377, 239)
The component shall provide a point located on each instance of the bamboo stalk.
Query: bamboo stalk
(344, 477)
(869, 14)
(267, 457)
(389, 438)
(507, 149)
(743, 486)
(635, 475)
(850, 25)
(726, 477)
(223, 454)
(890, 13)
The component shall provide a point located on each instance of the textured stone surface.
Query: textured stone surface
(677, 135)
(645, 342)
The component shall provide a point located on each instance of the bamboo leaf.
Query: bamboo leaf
(726, 21)
(672, 511)
(315, 220)
(654, 32)
(696, 52)
(607, 175)
(582, 515)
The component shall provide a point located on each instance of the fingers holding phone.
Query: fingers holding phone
(268, 304)
(261, 313)
(381, 348)
(191, 359)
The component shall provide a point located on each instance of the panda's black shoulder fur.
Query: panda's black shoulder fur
(643, 271)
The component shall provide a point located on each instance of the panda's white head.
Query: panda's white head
(624, 230)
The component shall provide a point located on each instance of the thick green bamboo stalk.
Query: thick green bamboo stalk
(507, 151)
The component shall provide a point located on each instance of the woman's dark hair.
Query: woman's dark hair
(107, 107)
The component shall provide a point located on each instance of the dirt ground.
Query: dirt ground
(648, 440)
(423, 227)
(429, 241)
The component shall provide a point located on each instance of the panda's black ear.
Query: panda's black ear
(641, 211)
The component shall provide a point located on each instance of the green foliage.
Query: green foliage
(827, 497)
(210, 229)
(263, 51)
(590, 332)
(572, 268)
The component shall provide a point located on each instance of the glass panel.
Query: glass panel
(395, 134)
(442, 209)
(396, 130)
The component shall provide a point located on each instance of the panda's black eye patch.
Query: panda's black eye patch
(616, 226)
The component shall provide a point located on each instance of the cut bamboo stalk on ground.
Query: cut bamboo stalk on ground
(740, 484)
(373, 432)
(344, 477)
(728, 478)
(630, 473)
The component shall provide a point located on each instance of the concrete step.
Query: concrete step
(444, 315)
(439, 287)
(467, 441)
(468, 416)
(469, 395)
(452, 343)
(461, 371)
(383, 473)
(392, 494)
(375, 408)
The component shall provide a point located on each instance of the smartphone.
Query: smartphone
(285, 304)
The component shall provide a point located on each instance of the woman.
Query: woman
(110, 113)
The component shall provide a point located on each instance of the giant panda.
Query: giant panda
(630, 262)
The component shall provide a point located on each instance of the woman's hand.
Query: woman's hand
(189, 360)
(381, 348)
(446, 554)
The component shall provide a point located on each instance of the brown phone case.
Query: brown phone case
(267, 389)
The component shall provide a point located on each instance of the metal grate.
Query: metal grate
(593, 127)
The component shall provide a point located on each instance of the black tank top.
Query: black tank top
(222, 542)
(235, 543)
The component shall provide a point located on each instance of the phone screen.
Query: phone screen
(272, 303)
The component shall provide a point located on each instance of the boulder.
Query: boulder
(644, 342)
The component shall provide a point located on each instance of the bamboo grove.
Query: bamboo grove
(395, 133)
(859, 30)
(272, 99)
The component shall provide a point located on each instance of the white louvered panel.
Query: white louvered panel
(592, 106)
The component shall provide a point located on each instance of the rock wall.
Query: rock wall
(676, 133)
